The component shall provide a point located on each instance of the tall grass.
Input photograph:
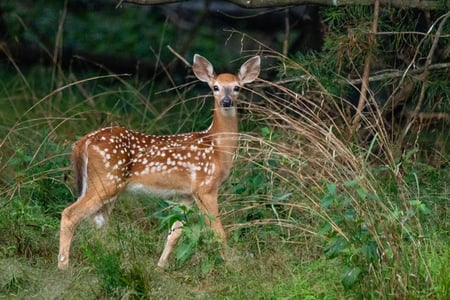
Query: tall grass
(310, 209)
(366, 211)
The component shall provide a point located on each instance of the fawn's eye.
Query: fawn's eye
(237, 88)
(215, 88)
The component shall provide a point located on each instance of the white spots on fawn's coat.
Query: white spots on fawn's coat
(131, 154)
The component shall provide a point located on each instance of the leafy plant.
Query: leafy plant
(107, 265)
(197, 237)
(353, 239)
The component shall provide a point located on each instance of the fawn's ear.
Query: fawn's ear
(203, 69)
(249, 71)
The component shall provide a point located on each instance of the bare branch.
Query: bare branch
(400, 73)
(424, 86)
(373, 78)
(426, 5)
(365, 79)
(149, 2)
(427, 116)
(180, 57)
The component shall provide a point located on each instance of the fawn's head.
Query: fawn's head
(226, 87)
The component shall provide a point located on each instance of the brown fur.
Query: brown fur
(112, 159)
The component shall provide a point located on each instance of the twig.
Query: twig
(287, 32)
(426, 72)
(366, 73)
(179, 56)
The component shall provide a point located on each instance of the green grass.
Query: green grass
(309, 213)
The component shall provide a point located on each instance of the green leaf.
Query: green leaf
(346, 202)
(331, 188)
(373, 197)
(239, 188)
(169, 220)
(206, 267)
(335, 248)
(410, 153)
(265, 132)
(258, 181)
(369, 251)
(350, 277)
(420, 206)
(361, 193)
(425, 210)
(184, 251)
(325, 229)
(273, 163)
(415, 202)
(349, 215)
(326, 201)
(351, 183)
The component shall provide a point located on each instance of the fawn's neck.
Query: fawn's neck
(224, 132)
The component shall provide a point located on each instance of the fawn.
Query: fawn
(113, 159)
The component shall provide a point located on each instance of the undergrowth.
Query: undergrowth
(311, 210)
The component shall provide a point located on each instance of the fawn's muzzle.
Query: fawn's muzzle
(226, 102)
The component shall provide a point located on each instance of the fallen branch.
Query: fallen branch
(425, 5)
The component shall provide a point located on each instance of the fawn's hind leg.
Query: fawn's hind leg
(101, 217)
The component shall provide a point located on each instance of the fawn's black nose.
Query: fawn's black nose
(226, 102)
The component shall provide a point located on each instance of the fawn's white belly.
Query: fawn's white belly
(139, 188)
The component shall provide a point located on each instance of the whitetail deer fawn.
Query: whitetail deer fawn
(113, 159)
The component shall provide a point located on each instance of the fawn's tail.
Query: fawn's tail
(79, 166)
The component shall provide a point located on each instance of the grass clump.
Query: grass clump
(367, 202)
